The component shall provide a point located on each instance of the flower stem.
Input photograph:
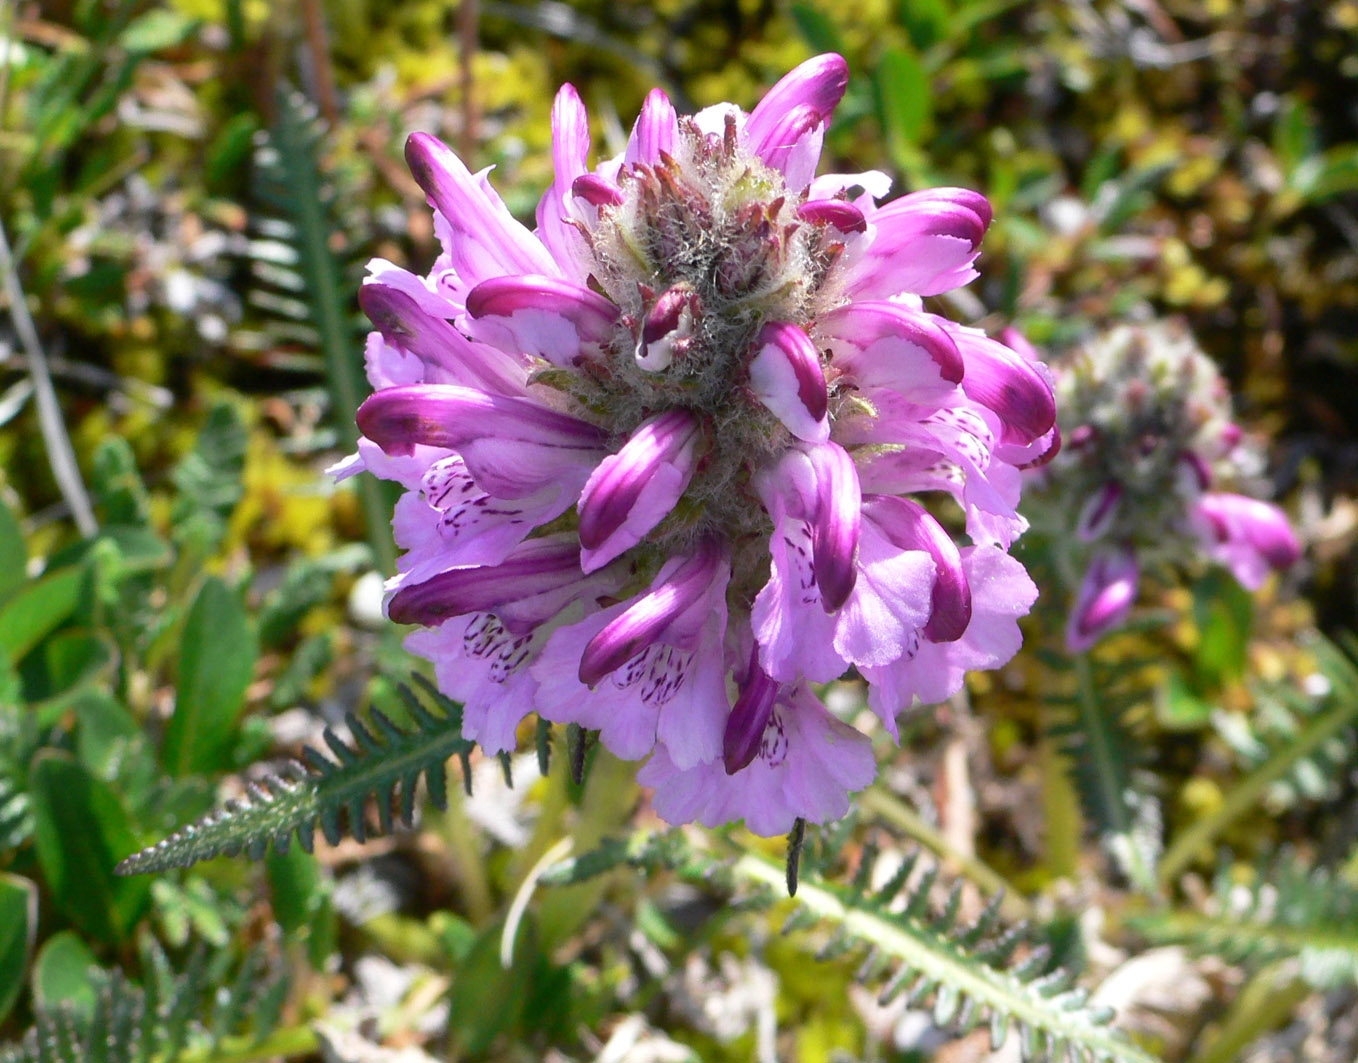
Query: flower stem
(465, 850)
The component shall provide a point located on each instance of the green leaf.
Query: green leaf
(1322, 177)
(13, 552)
(156, 30)
(1294, 133)
(817, 28)
(898, 936)
(63, 974)
(301, 902)
(81, 832)
(1291, 910)
(37, 609)
(139, 548)
(71, 663)
(1107, 765)
(927, 21)
(488, 999)
(117, 486)
(216, 663)
(1224, 612)
(904, 107)
(1180, 709)
(18, 925)
(208, 481)
(229, 154)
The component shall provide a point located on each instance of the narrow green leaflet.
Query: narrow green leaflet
(216, 663)
(81, 832)
(13, 553)
(37, 609)
(18, 924)
(63, 974)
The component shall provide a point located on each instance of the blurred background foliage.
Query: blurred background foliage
(190, 191)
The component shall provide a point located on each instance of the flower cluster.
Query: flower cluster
(1148, 433)
(658, 452)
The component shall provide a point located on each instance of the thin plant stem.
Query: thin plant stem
(57, 442)
(1245, 794)
(1087, 703)
(466, 853)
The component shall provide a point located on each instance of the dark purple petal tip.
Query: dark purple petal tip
(910, 526)
(597, 190)
(646, 619)
(835, 529)
(749, 717)
(843, 216)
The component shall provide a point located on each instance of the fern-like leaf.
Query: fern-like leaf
(902, 944)
(1115, 790)
(326, 791)
(1289, 911)
(304, 285)
(197, 1013)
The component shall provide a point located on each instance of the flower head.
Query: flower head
(657, 452)
(1146, 419)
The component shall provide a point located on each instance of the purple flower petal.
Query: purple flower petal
(483, 665)
(924, 243)
(834, 528)
(843, 216)
(816, 85)
(1198, 468)
(1099, 512)
(788, 126)
(909, 526)
(634, 490)
(570, 153)
(649, 617)
(656, 131)
(1007, 383)
(536, 567)
(545, 317)
(435, 342)
(888, 345)
(1105, 598)
(749, 717)
(666, 329)
(786, 376)
(1248, 535)
(807, 764)
(444, 415)
(597, 191)
(483, 239)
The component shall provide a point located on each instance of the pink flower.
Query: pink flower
(1148, 422)
(655, 453)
